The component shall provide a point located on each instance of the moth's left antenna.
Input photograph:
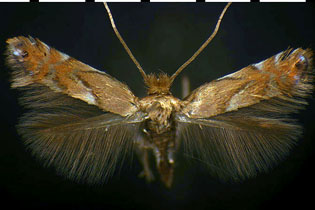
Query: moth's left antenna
(124, 43)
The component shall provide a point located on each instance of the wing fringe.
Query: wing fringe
(82, 142)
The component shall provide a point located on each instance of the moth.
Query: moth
(84, 122)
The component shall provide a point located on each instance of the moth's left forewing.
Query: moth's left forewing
(239, 124)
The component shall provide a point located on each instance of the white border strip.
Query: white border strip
(118, 1)
(169, 1)
(227, 1)
(56, 1)
(14, 1)
(282, 1)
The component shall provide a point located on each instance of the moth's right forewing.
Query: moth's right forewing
(285, 75)
(36, 63)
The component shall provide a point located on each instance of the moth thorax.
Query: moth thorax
(159, 113)
(158, 84)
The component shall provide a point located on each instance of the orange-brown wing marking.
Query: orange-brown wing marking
(37, 63)
(282, 75)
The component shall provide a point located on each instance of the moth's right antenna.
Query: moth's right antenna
(203, 46)
(124, 43)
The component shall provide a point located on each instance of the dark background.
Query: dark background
(162, 37)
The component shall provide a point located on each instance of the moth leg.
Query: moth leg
(147, 172)
(142, 151)
(185, 86)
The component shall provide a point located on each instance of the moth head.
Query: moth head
(158, 83)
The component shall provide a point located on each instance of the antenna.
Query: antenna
(124, 43)
(203, 46)
(181, 68)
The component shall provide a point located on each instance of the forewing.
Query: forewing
(283, 75)
(246, 127)
(36, 63)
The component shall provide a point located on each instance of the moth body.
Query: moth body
(159, 132)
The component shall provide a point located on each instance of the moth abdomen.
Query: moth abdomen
(164, 149)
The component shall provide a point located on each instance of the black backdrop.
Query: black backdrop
(162, 37)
